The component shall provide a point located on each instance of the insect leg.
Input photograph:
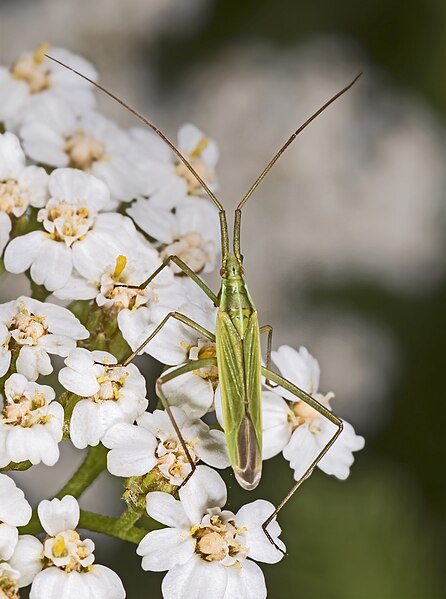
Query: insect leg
(267, 328)
(186, 269)
(164, 378)
(303, 396)
(182, 318)
(194, 365)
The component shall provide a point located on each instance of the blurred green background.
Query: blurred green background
(381, 534)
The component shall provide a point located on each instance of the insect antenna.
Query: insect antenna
(276, 157)
(223, 226)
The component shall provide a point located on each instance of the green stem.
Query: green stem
(95, 523)
(89, 470)
(111, 526)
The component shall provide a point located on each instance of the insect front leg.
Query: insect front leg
(305, 397)
(187, 271)
(267, 328)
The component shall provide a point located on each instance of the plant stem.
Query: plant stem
(111, 526)
(88, 471)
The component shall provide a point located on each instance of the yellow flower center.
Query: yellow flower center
(216, 540)
(33, 71)
(83, 150)
(11, 200)
(195, 160)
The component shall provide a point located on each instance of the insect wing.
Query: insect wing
(240, 387)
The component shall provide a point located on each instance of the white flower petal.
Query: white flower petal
(246, 580)
(164, 508)
(27, 558)
(276, 428)
(103, 582)
(252, 516)
(195, 579)
(54, 583)
(190, 392)
(163, 549)
(14, 508)
(58, 515)
(132, 450)
(204, 490)
(8, 540)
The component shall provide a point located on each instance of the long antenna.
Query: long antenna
(149, 124)
(290, 140)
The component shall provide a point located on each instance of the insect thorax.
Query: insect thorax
(235, 299)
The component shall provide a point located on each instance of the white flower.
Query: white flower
(33, 77)
(110, 394)
(129, 260)
(20, 185)
(192, 233)
(30, 423)
(53, 134)
(297, 429)
(9, 581)
(153, 443)
(66, 562)
(205, 549)
(178, 343)
(167, 180)
(35, 329)
(27, 559)
(14, 511)
(72, 233)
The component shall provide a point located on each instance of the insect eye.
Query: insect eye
(222, 271)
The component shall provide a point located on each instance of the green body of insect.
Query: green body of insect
(237, 338)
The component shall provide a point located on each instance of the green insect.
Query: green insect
(237, 338)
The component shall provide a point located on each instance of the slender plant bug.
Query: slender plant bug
(237, 337)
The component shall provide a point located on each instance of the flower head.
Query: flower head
(33, 77)
(64, 560)
(30, 423)
(153, 443)
(166, 179)
(205, 549)
(109, 394)
(32, 330)
(20, 185)
(297, 429)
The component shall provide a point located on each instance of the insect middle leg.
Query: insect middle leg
(303, 396)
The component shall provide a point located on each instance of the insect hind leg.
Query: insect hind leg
(194, 365)
(303, 396)
(267, 328)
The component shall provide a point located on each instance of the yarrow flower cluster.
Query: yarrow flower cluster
(90, 215)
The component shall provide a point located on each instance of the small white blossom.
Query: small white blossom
(32, 77)
(166, 180)
(72, 230)
(35, 329)
(9, 582)
(65, 561)
(109, 394)
(14, 511)
(208, 552)
(297, 429)
(129, 260)
(20, 185)
(54, 134)
(191, 233)
(153, 443)
(30, 423)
